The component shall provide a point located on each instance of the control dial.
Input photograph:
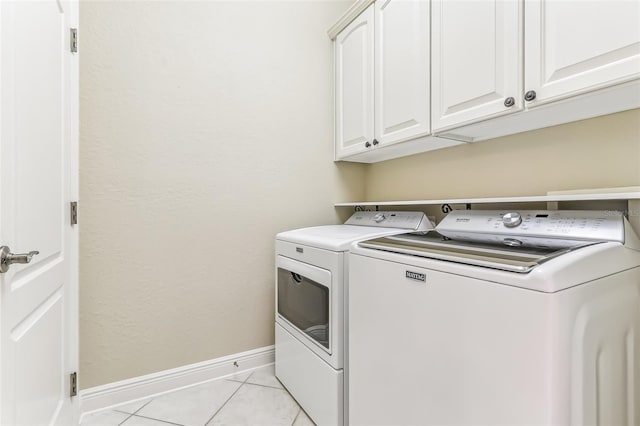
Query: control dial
(379, 217)
(512, 219)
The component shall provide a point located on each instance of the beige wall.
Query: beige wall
(598, 153)
(206, 128)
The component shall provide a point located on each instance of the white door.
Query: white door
(38, 179)
(354, 86)
(401, 70)
(476, 62)
(576, 46)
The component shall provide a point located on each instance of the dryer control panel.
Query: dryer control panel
(540, 228)
(416, 221)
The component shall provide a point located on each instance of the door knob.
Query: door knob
(7, 258)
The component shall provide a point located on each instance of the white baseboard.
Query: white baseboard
(111, 394)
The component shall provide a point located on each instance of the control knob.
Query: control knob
(512, 219)
(379, 217)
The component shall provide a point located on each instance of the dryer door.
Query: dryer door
(303, 299)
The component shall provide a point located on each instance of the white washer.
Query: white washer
(471, 331)
(311, 278)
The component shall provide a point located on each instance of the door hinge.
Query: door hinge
(73, 40)
(73, 384)
(74, 212)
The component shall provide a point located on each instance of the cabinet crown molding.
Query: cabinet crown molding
(352, 13)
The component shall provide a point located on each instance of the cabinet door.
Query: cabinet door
(401, 70)
(354, 86)
(577, 46)
(476, 60)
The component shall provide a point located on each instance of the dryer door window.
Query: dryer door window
(305, 304)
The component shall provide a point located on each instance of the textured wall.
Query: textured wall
(598, 153)
(206, 128)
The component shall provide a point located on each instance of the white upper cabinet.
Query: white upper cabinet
(476, 60)
(354, 86)
(577, 46)
(383, 82)
(578, 60)
(418, 75)
(401, 70)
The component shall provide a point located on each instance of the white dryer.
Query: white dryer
(501, 318)
(311, 278)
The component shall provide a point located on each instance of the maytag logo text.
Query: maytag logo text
(416, 276)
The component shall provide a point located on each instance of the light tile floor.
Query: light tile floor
(253, 398)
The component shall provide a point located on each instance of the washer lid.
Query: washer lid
(572, 268)
(336, 237)
(434, 246)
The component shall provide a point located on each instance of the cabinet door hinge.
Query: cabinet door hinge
(74, 212)
(73, 40)
(73, 384)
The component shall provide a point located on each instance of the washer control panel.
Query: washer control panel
(416, 221)
(540, 228)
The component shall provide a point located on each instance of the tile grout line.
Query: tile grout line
(256, 384)
(128, 417)
(296, 417)
(228, 399)
(143, 405)
(158, 420)
(132, 414)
